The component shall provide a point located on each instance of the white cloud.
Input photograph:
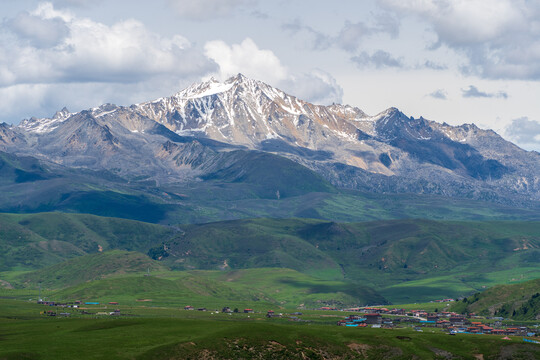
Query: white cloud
(43, 100)
(246, 58)
(60, 47)
(51, 58)
(524, 132)
(499, 38)
(316, 86)
(208, 9)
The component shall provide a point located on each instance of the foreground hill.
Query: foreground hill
(518, 301)
(167, 333)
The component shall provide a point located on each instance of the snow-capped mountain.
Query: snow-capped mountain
(247, 112)
(177, 137)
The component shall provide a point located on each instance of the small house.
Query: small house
(272, 314)
(373, 318)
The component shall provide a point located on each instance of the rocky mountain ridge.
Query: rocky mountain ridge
(176, 138)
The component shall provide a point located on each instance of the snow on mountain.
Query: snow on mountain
(251, 114)
(247, 112)
(45, 125)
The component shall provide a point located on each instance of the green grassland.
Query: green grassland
(520, 301)
(122, 276)
(86, 268)
(33, 241)
(170, 333)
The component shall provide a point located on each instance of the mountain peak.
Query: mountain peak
(213, 86)
(62, 114)
(238, 78)
(206, 88)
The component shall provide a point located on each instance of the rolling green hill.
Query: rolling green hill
(519, 301)
(122, 276)
(33, 241)
(268, 287)
(405, 260)
(90, 267)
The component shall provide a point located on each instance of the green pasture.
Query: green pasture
(171, 333)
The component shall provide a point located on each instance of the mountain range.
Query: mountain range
(240, 176)
(213, 129)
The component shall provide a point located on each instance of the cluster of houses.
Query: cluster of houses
(452, 322)
(76, 305)
(228, 310)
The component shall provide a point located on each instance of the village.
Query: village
(77, 306)
(422, 320)
(362, 317)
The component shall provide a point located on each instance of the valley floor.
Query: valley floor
(147, 332)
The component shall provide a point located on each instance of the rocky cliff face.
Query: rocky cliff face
(178, 137)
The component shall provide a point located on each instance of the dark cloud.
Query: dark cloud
(39, 32)
(379, 59)
(76, 3)
(260, 15)
(316, 39)
(439, 94)
(499, 38)
(473, 92)
(525, 133)
(350, 36)
(434, 66)
(208, 9)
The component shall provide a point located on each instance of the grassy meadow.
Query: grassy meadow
(145, 332)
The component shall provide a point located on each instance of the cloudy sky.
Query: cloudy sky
(454, 61)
